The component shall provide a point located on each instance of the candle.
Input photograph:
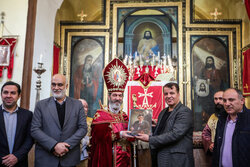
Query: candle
(169, 61)
(153, 61)
(125, 60)
(41, 58)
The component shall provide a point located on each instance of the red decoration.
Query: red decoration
(247, 4)
(56, 52)
(116, 76)
(145, 79)
(12, 43)
(147, 98)
(246, 73)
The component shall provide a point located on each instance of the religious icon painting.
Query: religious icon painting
(140, 121)
(87, 56)
(210, 56)
(4, 55)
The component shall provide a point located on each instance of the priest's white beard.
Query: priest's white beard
(115, 107)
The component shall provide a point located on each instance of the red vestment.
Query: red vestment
(105, 136)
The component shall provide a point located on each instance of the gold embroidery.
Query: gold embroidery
(97, 115)
(123, 143)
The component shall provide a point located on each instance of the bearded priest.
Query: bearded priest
(109, 146)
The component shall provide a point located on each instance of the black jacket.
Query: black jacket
(23, 139)
(240, 141)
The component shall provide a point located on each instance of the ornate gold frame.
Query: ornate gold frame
(232, 65)
(66, 59)
(153, 5)
(235, 60)
(91, 26)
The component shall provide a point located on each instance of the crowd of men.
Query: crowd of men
(64, 135)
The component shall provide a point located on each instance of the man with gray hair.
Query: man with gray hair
(231, 147)
(58, 125)
(85, 141)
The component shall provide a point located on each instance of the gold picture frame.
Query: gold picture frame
(81, 46)
(125, 10)
(192, 38)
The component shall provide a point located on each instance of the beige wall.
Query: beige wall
(15, 22)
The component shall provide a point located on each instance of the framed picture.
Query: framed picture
(140, 121)
(146, 37)
(87, 55)
(205, 17)
(210, 54)
(94, 15)
(161, 21)
(4, 55)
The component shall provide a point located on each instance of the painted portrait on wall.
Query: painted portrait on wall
(147, 35)
(87, 62)
(210, 66)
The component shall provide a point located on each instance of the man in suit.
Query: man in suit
(171, 143)
(15, 138)
(231, 145)
(58, 125)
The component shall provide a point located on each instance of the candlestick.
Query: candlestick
(39, 70)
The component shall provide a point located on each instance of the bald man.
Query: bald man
(58, 125)
(85, 140)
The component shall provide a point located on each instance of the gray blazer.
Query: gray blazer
(174, 147)
(47, 132)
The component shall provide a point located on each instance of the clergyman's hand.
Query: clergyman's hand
(211, 147)
(126, 134)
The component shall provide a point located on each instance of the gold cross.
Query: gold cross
(246, 87)
(82, 16)
(215, 13)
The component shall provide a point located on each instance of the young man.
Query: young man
(15, 138)
(171, 143)
(58, 125)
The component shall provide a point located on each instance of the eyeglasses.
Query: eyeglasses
(58, 84)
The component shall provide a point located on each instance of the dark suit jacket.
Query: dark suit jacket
(174, 147)
(47, 132)
(23, 139)
(240, 140)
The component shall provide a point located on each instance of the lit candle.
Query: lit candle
(41, 58)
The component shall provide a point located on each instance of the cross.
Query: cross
(215, 13)
(145, 95)
(246, 87)
(82, 16)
